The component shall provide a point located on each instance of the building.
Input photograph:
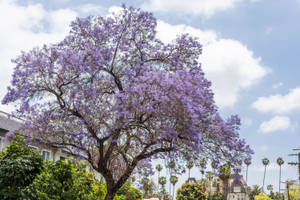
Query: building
(8, 123)
(236, 189)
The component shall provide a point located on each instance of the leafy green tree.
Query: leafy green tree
(19, 166)
(265, 162)
(191, 191)
(262, 196)
(64, 181)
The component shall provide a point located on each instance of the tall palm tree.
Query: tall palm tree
(171, 167)
(173, 180)
(162, 181)
(209, 176)
(265, 162)
(202, 166)
(247, 162)
(190, 165)
(280, 162)
(159, 168)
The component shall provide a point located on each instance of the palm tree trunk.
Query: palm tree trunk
(158, 180)
(264, 178)
(189, 173)
(279, 177)
(173, 192)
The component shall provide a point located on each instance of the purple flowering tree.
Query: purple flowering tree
(114, 95)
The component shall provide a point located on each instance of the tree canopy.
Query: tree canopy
(114, 95)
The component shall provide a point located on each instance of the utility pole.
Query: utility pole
(296, 163)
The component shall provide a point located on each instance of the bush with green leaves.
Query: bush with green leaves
(191, 191)
(19, 166)
(65, 180)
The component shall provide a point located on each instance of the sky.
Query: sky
(250, 53)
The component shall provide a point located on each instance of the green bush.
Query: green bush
(191, 191)
(19, 166)
(64, 181)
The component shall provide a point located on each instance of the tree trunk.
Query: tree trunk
(279, 178)
(264, 179)
(110, 195)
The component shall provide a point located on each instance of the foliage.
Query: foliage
(265, 161)
(294, 192)
(254, 191)
(148, 186)
(162, 181)
(114, 95)
(19, 165)
(262, 196)
(63, 181)
(247, 161)
(191, 191)
(127, 192)
(280, 161)
(173, 180)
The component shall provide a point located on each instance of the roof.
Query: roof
(9, 123)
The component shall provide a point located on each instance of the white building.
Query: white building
(8, 123)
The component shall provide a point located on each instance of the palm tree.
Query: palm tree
(162, 181)
(171, 167)
(265, 162)
(203, 166)
(225, 173)
(173, 180)
(158, 168)
(190, 165)
(247, 162)
(270, 187)
(280, 162)
(209, 176)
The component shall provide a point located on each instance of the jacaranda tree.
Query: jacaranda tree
(114, 95)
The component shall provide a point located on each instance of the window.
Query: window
(46, 155)
(236, 189)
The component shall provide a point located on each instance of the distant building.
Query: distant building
(236, 189)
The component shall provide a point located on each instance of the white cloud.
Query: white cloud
(229, 64)
(24, 27)
(205, 8)
(277, 123)
(90, 9)
(277, 85)
(279, 104)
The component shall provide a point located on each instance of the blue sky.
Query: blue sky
(251, 55)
